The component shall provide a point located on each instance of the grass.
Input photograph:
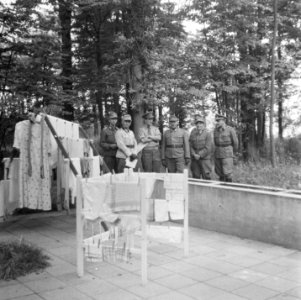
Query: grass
(18, 259)
(286, 176)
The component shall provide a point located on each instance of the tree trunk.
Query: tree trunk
(272, 144)
(65, 19)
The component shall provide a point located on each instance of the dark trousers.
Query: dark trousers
(175, 165)
(201, 168)
(151, 161)
(111, 162)
(224, 168)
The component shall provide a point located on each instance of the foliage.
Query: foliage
(18, 259)
(286, 176)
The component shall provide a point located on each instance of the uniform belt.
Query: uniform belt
(174, 146)
(130, 146)
(224, 145)
(150, 148)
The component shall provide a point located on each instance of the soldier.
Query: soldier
(175, 147)
(126, 143)
(151, 136)
(226, 144)
(201, 149)
(108, 142)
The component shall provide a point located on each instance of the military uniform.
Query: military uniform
(127, 145)
(175, 149)
(226, 143)
(109, 145)
(201, 144)
(151, 160)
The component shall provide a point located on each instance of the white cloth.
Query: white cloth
(161, 210)
(97, 196)
(95, 166)
(34, 190)
(72, 184)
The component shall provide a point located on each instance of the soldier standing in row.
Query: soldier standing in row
(226, 144)
(201, 150)
(151, 136)
(126, 143)
(175, 147)
(108, 143)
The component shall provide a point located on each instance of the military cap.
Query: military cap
(198, 119)
(112, 115)
(173, 118)
(220, 117)
(126, 117)
(148, 115)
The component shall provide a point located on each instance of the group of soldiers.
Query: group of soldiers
(179, 150)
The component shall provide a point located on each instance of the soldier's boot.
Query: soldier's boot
(222, 178)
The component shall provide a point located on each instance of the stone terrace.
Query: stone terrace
(219, 267)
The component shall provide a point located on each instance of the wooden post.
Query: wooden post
(186, 213)
(67, 174)
(79, 229)
(143, 232)
(58, 180)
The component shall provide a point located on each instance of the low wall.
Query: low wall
(259, 213)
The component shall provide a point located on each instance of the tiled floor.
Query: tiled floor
(219, 267)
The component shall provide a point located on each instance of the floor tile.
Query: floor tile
(201, 274)
(177, 266)
(45, 284)
(150, 290)
(125, 280)
(171, 295)
(175, 281)
(67, 293)
(284, 297)
(13, 291)
(269, 268)
(201, 290)
(228, 296)
(118, 294)
(97, 287)
(222, 267)
(227, 283)
(295, 292)
(249, 275)
(278, 284)
(155, 272)
(29, 297)
(255, 292)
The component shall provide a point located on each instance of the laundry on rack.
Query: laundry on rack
(72, 178)
(97, 197)
(126, 198)
(161, 210)
(95, 166)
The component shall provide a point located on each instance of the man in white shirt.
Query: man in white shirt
(150, 136)
(126, 143)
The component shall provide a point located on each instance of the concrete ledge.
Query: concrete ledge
(260, 213)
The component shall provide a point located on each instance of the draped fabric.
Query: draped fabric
(33, 141)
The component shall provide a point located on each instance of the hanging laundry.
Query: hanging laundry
(127, 197)
(33, 141)
(161, 210)
(95, 166)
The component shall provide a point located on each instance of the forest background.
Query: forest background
(83, 58)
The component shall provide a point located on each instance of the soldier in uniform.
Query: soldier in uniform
(226, 144)
(151, 136)
(108, 142)
(126, 143)
(175, 147)
(201, 150)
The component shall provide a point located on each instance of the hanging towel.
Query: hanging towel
(127, 197)
(161, 210)
(95, 166)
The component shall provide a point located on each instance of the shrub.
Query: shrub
(18, 259)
